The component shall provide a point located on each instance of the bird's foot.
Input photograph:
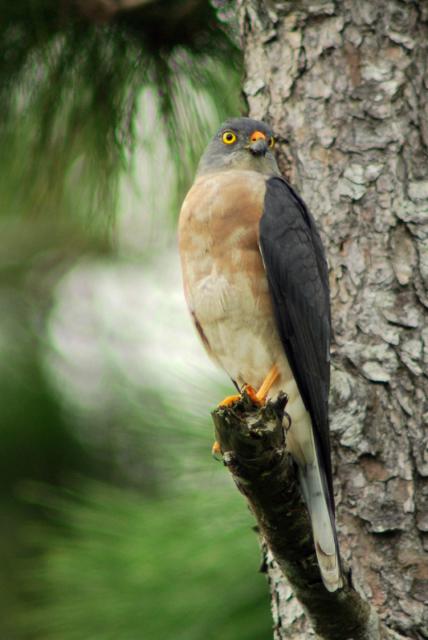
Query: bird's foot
(253, 395)
(216, 451)
(267, 384)
(228, 400)
(257, 397)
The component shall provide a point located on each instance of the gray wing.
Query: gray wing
(297, 272)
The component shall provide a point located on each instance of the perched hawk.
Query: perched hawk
(256, 282)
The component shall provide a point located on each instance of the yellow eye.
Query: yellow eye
(271, 142)
(229, 137)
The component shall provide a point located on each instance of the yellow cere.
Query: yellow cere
(229, 137)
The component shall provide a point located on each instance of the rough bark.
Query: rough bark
(345, 84)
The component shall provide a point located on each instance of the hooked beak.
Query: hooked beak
(258, 143)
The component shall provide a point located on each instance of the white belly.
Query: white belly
(244, 340)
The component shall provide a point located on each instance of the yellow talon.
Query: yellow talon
(216, 451)
(257, 397)
(253, 395)
(229, 400)
(267, 384)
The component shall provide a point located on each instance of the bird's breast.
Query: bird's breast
(218, 238)
(225, 282)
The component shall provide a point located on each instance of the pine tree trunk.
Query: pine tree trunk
(345, 84)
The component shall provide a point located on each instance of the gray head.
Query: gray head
(240, 143)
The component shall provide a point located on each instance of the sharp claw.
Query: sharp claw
(257, 397)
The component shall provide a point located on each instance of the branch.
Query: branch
(253, 442)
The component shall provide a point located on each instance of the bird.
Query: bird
(255, 280)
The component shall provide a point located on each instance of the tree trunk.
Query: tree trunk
(345, 85)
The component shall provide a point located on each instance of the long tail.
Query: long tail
(316, 493)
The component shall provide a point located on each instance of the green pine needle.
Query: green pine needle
(69, 90)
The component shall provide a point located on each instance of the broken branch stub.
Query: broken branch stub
(253, 442)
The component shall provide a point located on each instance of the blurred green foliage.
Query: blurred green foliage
(70, 80)
(179, 567)
(116, 523)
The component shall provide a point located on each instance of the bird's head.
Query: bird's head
(240, 143)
